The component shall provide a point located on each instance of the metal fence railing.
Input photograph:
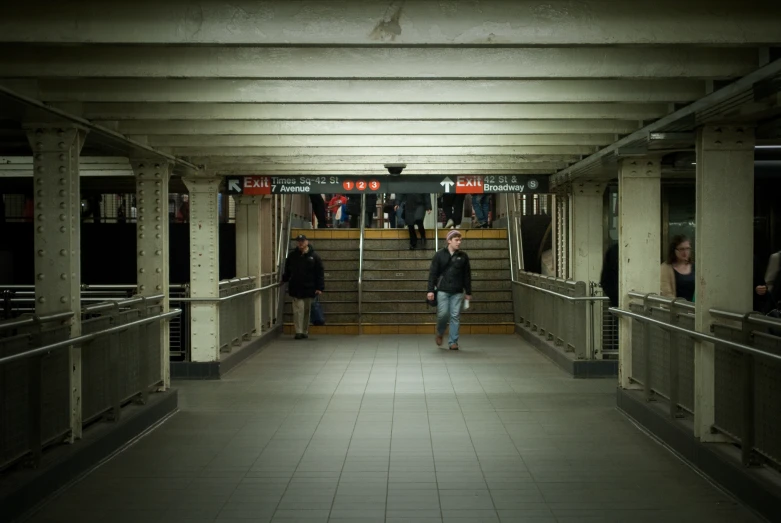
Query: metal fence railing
(16, 300)
(561, 311)
(747, 369)
(121, 361)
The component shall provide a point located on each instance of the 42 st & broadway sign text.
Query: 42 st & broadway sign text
(333, 184)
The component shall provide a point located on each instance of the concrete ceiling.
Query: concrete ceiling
(310, 86)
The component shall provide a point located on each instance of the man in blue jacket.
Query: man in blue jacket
(450, 276)
(305, 277)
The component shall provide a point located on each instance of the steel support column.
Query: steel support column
(639, 234)
(724, 248)
(152, 176)
(204, 268)
(249, 243)
(56, 150)
(588, 252)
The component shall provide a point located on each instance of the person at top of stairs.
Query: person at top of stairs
(450, 277)
(453, 205)
(415, 208)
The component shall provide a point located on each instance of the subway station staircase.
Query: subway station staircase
(395, 280)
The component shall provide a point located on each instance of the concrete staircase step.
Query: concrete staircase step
(420, 306)
(335, 317)
(420, 284)
(474, 254)
(422, 264)
(383, 274)
(370, 295)
(410, 328)
(391, 318)
(469, 245)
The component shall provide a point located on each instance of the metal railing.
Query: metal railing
(120, 360)
(20, 299)
(360, 264)
(560, 310)
(747, 368)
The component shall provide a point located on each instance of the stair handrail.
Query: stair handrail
(285, 229)
(360, 263)
(510, 237)
(436, 225)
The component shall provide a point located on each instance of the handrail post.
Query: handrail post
(35, 398)
(360, 263)
(143, 359)
(748, 436)
(647, 350)
(114, 370)
(675, 410)
(436, 225)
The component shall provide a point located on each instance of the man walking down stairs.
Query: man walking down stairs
(450, 277)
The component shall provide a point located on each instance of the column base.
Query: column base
(214, 370)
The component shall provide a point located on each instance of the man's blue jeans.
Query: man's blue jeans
(449, 309)
(481, 204)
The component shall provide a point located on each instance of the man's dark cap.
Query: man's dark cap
(300, 237)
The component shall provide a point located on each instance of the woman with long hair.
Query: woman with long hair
(677, 273)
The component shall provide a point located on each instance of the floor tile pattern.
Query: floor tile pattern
(391, 429)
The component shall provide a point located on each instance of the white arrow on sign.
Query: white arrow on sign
(447, 183)
(233, 185)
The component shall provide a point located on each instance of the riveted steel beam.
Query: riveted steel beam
(152, 177)
(204, 267)
(57, 222)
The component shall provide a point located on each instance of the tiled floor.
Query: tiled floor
(391, 429)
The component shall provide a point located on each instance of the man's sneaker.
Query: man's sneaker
(438, 340)
(454, 346)
(449, 224)
(299, 336)
(305, 336)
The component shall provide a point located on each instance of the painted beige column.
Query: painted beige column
(248, 246)
(57, 237)
(724, 248)
(586, 225)
(152, 176)
(587, 231)
(204, 268)
(639, 234)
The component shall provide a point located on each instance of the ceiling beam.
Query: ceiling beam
(373, 111)
(365, 91)
(51, 61)
(259, 168)
(353, 161)
(275, 127)
(376, 22)
(225, 169)
(384, 140)
(530, 150)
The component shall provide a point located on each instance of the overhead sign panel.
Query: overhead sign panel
(335, 184)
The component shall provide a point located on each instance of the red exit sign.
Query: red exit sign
(256, 185)
(469, 185)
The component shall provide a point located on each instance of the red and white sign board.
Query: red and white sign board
(469, 185)
(256, 185)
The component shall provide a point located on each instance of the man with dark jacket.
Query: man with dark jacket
(305, 277)
(450, 276)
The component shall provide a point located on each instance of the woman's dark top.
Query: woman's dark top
(684, 285)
